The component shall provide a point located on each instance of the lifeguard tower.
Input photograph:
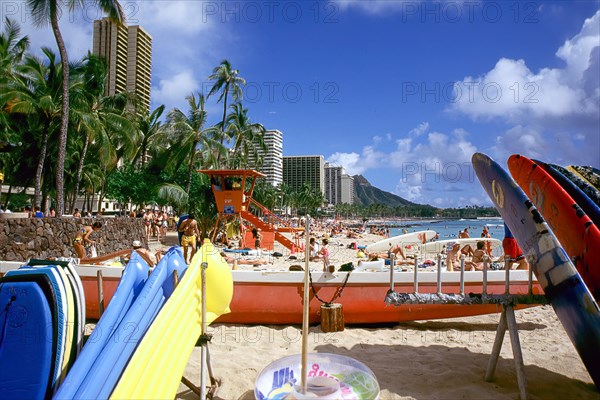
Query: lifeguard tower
(233, 195)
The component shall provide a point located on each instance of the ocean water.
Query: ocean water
(449, 229)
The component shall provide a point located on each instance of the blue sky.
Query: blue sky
(402, 92)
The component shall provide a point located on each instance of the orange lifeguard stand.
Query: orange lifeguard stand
(233, 194)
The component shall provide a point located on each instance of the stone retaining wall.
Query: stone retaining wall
(25, 238)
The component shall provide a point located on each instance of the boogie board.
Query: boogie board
(132, 328)
(572, 301)
(60, 307)
(403, 240)
(581, 183)
(590, 208)
(26, 334)
(130, 286)
(155, 370)
(576, 232)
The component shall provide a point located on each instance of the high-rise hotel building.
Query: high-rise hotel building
(272, 158)
(128, 53)
(300, 169)
(339, 187)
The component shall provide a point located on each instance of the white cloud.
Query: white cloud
(174, 90)
(419, 130)
(376, 7)
(350, 161)
(548, 111)
(430, 168)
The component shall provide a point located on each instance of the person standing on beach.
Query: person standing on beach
(325, 253)
(512, 250)
(190, 231)
(257, 237)
(82, 239)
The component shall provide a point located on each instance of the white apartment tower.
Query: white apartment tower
(339, 187)
(347, 189)
(272, 158)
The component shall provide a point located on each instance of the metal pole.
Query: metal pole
(392, 261)
(204, 266)
(485, 275)
(416, 284)
(530, 280)
(439, 274)
(462, 274)
(507, 269)
(305, 309)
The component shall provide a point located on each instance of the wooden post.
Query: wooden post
(332, 318)
(100, 281)
(493, 361)
(507, 320)
(516, 348)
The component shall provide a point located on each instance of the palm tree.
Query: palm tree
(149, 134)
(44, 11)
(95, 117)
(248, 138)
(226, 80)
(188, 132)
(37, 94)
(12, 49)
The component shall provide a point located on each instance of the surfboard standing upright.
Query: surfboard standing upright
(570, 298)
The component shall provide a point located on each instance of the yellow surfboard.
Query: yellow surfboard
(155, 370)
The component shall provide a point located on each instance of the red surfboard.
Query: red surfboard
(579, 236)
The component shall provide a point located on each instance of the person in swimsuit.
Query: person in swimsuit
(189, 227)
(257, 238)
(512, 250)
(325, 253)
(82, 238)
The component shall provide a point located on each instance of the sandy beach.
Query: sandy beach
(441, 359)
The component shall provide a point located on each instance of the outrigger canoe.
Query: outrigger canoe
(275, 297)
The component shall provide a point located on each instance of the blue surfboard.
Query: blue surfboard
(114, 357)
(26, 333)
(130, 286)
(586, 204)
(566, 291)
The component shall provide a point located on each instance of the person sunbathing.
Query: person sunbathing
(242, 261)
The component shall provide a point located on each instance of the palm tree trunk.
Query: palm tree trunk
(224, 112)
(64, 122)
(40, 170)
(223, 121)
(80, 170)
(190, 167)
